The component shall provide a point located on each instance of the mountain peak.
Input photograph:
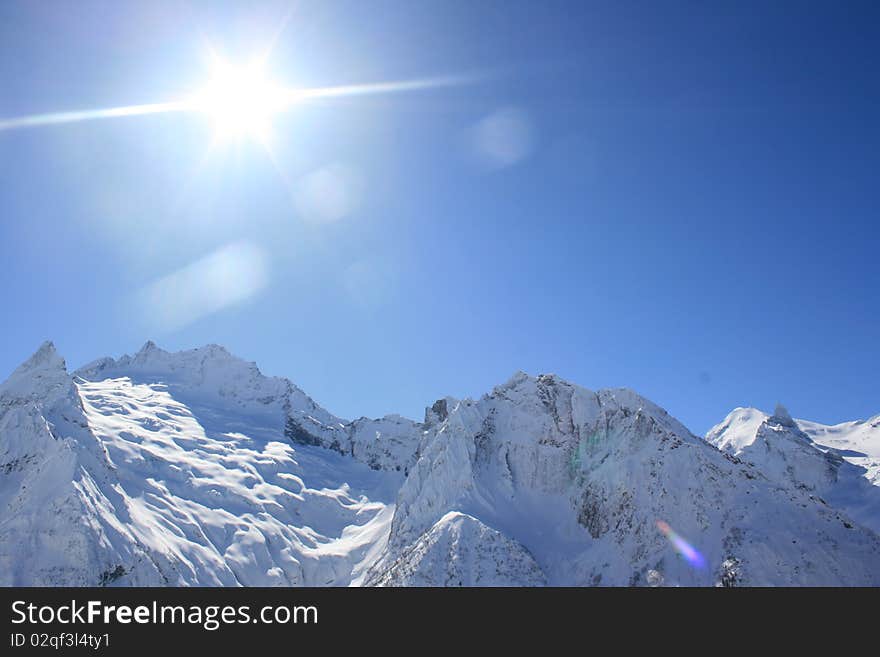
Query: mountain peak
(440, 410)
(149, 346)
(782, 416)
(45, 357)
(217, 351)
(38, 376)
(151, 350)
(515, 379)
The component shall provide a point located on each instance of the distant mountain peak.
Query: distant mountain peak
(149, 346)
(782, 416)
(517, 378)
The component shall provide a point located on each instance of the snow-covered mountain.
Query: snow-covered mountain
(193, 468)
(840, 464)
(175, 469)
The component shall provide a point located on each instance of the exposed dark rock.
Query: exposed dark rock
(297, 434)
(109, 576)
(441, 409)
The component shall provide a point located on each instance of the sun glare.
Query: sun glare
(241, 101)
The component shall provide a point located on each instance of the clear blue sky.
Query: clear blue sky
(694, 213)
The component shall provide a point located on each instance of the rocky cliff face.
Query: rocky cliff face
(193, 468)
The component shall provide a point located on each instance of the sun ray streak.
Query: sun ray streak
(290, 97)
(382, 87)
(36, 120)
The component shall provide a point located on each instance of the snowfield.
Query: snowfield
(193, 468)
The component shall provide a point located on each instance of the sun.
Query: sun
(241, 101)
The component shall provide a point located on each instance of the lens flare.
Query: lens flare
(224, 278)
(685, 549)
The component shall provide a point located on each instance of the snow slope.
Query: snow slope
(858, 442)
(458, 550)
(193, 468)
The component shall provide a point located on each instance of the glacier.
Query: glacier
(194, 468)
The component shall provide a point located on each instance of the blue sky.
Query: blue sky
(674, 197)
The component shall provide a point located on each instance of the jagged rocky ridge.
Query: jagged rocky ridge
(193, 468)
